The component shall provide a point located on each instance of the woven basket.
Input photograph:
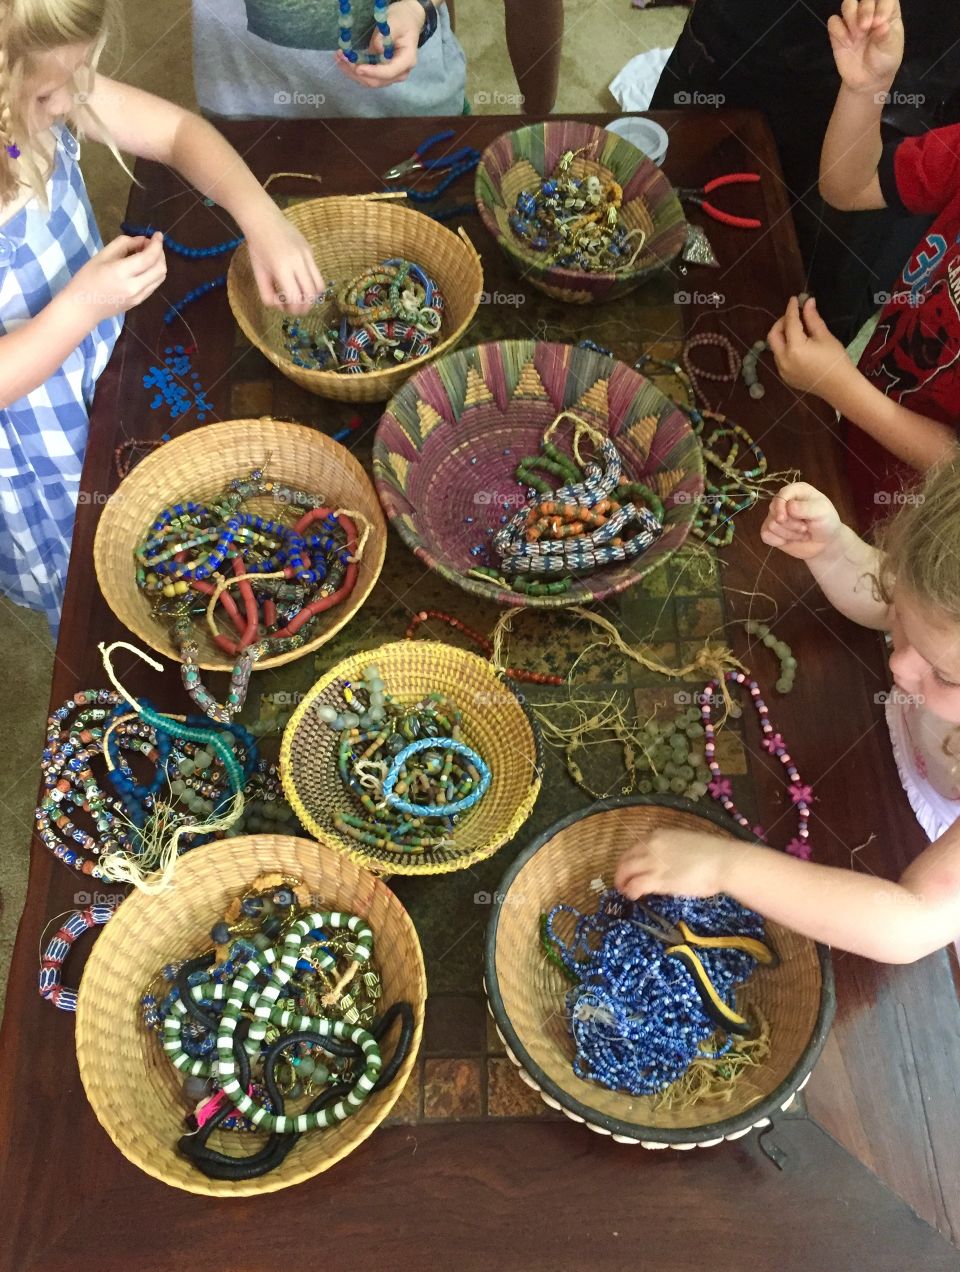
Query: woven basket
(495, 724)
(525, 991)
(448, 445)
(520, 160)
(199, 465)
(348, 236)
(132, 1087)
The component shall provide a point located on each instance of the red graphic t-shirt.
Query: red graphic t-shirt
(914, 354)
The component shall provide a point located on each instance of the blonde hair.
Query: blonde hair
(920, 545)
(28, 29)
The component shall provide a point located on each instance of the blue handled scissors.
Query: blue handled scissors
(680, 942)
(456, 163)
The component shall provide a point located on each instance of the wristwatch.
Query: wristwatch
(429, 21)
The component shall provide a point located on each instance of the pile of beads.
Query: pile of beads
(93, 743)
(284, 1006)
(719, 787)
(406, 766)
(51, 964)
(389, 314)
(636, 1018)
(788, 664)
(750, 360)
(172, 389)
(672, 757)
(286, 575)
(576, 223)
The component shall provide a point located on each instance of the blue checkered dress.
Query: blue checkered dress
(43, 435)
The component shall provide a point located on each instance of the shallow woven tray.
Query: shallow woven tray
(199, 465)
(448, 444)
(135, 1091)
(520, 160)
(525, 991)
(495, 724)
(348, 236)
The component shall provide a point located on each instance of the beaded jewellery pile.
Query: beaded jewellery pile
(283, 1012)
(406, 767)
(287, 575)
(576, 223)
(389, 314)
(577, 528)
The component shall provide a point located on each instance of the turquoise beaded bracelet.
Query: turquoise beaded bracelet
(445, 810)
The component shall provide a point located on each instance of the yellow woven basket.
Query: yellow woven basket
(348, 236)
(132, 1087)
(198, 466)
(495, 724)
(525, 991)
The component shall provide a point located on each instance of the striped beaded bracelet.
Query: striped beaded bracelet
(445, 810)
(54, 956)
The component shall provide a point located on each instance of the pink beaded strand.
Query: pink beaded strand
(719, 787)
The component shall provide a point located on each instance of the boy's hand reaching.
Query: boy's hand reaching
(283, 265)
(808, 356)
(801, 522)
(867, 41)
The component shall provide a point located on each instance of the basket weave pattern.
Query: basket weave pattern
(494, 724)
(527, 1001)
(520, 160)
(198, 466)
(449, 442)
(349, 236)
(132, 1087)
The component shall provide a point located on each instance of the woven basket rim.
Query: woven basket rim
(764, 1108)
(159, 459)
(377, 865)
(562, 274)
(490, 591)
(385, 374)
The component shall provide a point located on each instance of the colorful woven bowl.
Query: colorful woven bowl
(349, 236)
(448, 445)
(525, 991)
(198, 466)
(495, 724)
(132, 1087)
(520, 160)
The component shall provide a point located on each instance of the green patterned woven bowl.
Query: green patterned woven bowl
(520, 160)
(449, 442)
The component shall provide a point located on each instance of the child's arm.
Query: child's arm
(812, 360)
(153, 128)
(890, 922)
(804, 524)
(867, 39)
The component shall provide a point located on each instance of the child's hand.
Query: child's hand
(808, 356)
(685, 863)
(283, 265)
(801, 522)
(118, 278)
(867, 41)
(405, 19)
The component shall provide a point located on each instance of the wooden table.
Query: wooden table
(521, 1191)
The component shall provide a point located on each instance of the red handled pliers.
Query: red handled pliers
(698, 196)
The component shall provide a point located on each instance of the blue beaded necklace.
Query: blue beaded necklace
(180, 249)
(346, 34)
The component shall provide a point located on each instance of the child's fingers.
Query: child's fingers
(792, 324)
(850, 13)
(865, 15)
(812, 321)
(775, 339)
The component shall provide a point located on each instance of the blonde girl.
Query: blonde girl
(908, 586)
(62, 293)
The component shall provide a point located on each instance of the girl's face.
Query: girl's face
(926, 656)
(52, 87)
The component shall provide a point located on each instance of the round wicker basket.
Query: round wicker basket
(348, 236)
(132, 1087)
(198, 466)
(520, 160)
(525, 991)
(447, 448)
(495, 724)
